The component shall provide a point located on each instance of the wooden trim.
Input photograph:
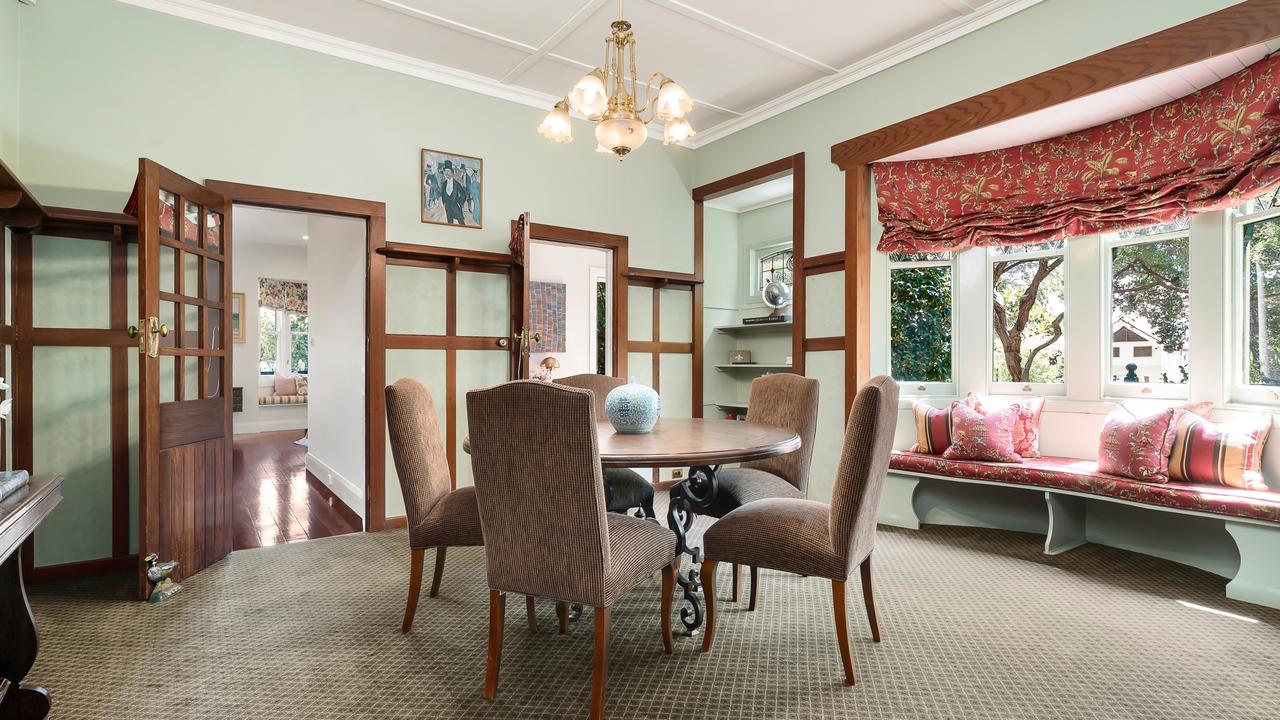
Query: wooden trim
(745, 179)
(443, 342)
(446, 255)
(19, 208)
(119, 319)
(819, 264)
(799, 276)
(1238, 26)
(396, 521)
(575, 236)
(23, 418)
(823, 344)
(374, 214)
(451, 375)
(88, 225)
(645, 276)
(81, 337)
(658, 346)
(83, 568)
(857, 281)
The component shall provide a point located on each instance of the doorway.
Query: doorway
(570, 309)
(298, 282)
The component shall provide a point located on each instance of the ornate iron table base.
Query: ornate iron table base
(698, 491)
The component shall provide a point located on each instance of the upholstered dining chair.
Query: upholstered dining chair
(438, 516)
(546, 531)
(783, 400)
(812, 538)
(623, 488)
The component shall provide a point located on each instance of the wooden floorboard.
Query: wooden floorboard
(277, 501)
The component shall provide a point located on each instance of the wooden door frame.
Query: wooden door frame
(1238, 26)
(605, 241)
(375, 216)
(793, 166)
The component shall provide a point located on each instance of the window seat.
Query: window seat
(268, 400)
(1252, 518)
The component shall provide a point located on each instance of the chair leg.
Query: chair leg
(842, 630)
(708, 575)
(647, 509)
(435, 579)
(600, 665)
(668, 587)
(869, 599)
(531, 614)
(415, 587)
(497, 611)
(737, 583)
(562, 613)
(755, 587)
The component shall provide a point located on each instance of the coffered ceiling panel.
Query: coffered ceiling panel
(741, 60)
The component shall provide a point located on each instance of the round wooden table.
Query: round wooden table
(702, 445)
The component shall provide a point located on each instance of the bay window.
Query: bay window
(282, 342)
(1028, 316)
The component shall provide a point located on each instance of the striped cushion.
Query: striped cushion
(282, 400)
(1214, 454)
(933, 428)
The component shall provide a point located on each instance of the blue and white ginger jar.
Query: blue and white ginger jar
(633, 408)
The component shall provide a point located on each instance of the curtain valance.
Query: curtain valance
(1210, 150)
(283, 295)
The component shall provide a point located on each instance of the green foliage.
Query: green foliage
(266, 340)
(920, 324)
(1028, 303)
(1150, 282)
(1262, 286)
(602, 325)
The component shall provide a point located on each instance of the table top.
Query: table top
(21, 512)
(681, 442)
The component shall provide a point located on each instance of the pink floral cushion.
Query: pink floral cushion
(975, 436)
(1137, 448)
(285, 385)
(1026, 432)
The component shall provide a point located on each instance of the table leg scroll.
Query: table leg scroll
(698, 491)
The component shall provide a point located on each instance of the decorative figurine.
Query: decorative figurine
(162, 586)
(545, 368)
(633, 408)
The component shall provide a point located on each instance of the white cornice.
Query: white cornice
(249, 24)
(242, 22)
(883, 60)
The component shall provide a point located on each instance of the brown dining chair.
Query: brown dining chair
(623, 488)
(541, 504)
(812, 538)
(438, 517)
(784, 400)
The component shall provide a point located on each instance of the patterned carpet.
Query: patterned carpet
(977, 624)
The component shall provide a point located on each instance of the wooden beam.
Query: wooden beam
(857, 281)
(642, 276)
(745, 179)
(19, 208)
(446, 255)
(1239, 26)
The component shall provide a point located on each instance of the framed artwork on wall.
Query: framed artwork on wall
(237, 317)
(452, 189)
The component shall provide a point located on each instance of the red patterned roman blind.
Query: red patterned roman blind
(1212, 149)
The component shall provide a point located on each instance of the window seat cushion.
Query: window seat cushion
(282, 400)
(1076, 475)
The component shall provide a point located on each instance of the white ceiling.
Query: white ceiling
(755, 197)
(265, 226)
(741, 60)
(1093, 110)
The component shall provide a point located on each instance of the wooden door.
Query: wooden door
(521, 335)
(184, 282)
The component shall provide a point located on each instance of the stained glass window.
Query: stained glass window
(776, 265)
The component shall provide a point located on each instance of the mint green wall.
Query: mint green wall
(10, 70)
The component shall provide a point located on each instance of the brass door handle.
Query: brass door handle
(132, 331)
(164, 330)
(148, 341)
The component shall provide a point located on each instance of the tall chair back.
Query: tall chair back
(790, 401)
(536, 463)
(599, 385)
(421, 463)
(864, 462)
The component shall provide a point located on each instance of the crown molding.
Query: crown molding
(248, 24)
(253, 25)
(936, 37)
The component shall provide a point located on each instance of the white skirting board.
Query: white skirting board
(348, 492)
(1238, 549)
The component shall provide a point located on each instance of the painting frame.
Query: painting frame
(432, 210)
(236, 310)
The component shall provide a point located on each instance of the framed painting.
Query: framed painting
(237, 317)
(452, 189)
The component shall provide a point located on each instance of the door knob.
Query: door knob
(132, 331)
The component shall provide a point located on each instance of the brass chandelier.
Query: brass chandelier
(620, 127)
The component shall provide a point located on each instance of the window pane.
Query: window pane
(1182, 224)
(776, 266)
(1029, 307)
(1261, 301)
(1150, 310)
(266, 340)
(920, 324)
(1034, 247)
(1269, 200)
(919, 257)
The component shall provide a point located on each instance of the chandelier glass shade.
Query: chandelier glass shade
(609, 96)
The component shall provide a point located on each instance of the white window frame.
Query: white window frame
(995, 387)
(284, 347)
(754, 253)
(913, 388)
(1241, 392)
(1164, 391)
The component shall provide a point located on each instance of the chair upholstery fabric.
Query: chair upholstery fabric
(790, 401)
(541, 498)
(623, 488)
(436, 515)
(810, 538)
(736, 487)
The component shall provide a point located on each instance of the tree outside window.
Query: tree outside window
(267, 335)
(1028, 310)
(1151, 305)
(1261, 300)
(283, 342)
(920, 295)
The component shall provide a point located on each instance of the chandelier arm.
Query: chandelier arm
(649, 92)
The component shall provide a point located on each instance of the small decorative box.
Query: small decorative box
(740, 357)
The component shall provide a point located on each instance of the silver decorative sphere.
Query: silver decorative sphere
(776, 294)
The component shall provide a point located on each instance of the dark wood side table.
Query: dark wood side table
(20, 515)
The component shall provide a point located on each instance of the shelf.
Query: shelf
(751, 366)
(732, 405)
(19, 209)
(741, 329)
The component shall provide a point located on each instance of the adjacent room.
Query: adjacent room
(403, 358)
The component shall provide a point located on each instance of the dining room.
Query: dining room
(877, 361)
